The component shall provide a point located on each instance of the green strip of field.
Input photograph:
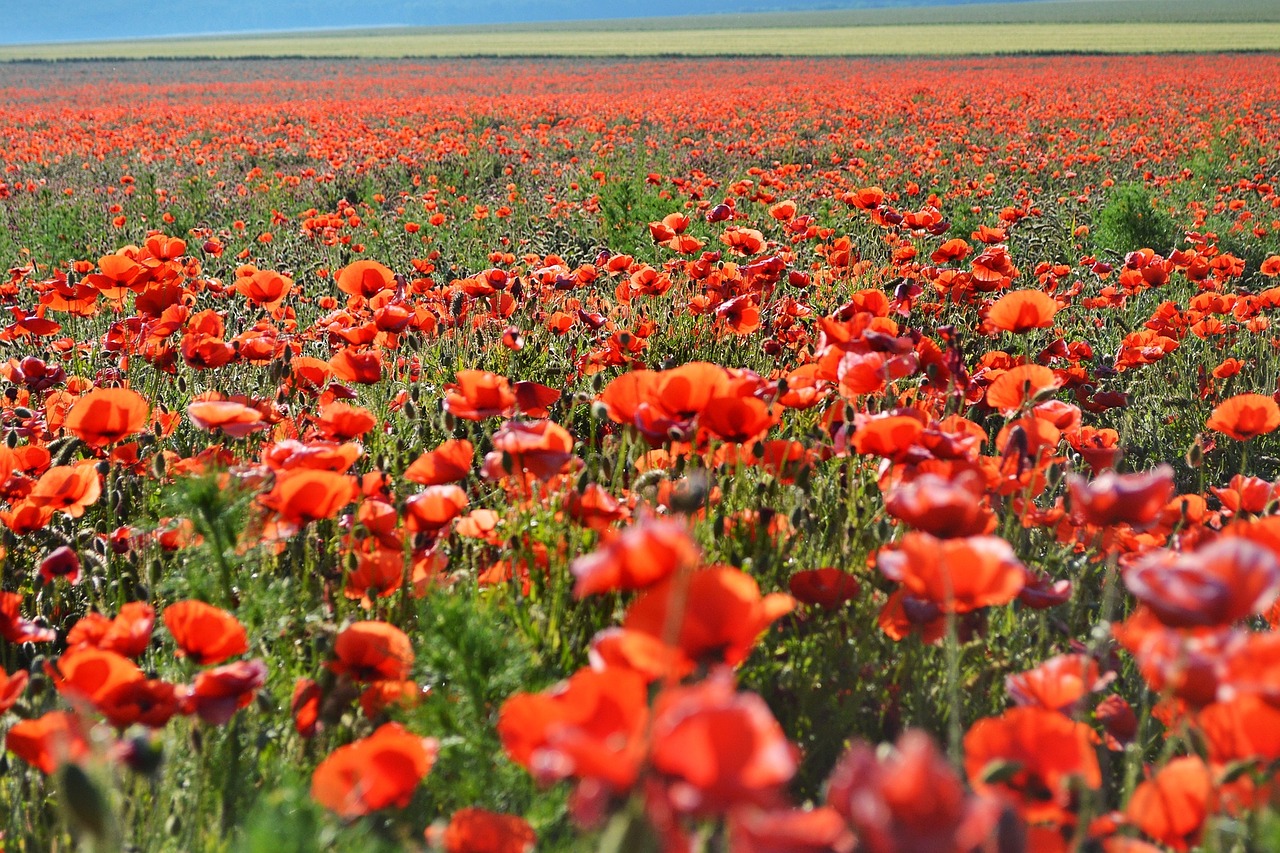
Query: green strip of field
(951, 39)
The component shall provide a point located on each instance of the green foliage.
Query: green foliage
(1133, 218)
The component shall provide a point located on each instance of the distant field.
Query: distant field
(603, 40)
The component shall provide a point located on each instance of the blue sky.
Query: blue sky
(24, 21)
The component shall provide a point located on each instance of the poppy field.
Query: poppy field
(771, 455)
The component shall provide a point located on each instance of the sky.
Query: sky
(25, 21)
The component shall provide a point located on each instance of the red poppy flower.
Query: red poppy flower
(365, 278)
(216, 694)
(1247, 728)
(62, 562)
(11, 687)
(827, 587)
(541, 448)
(107, 415)
(589, 727)
(1245, 416)
(1021, 311)
(1221, 583)
(14, 628)
(343, 422)
(1111, 498)
(205, 633)
(448, 463)
(69, 488)
(304, 495)
(372, 650)
(1042, 751)
(475, 830)
(909, 798)
(789, 830)
(638, 557)
(232, 418)
(434, 507)
(944, 507)
(361, 366)
(723, 614)
(1018, 386)
(128, 634)
(533, 399)
(1172, 806)
(957, 575)
(479, 394)
(92, 674)
(1058, 684)
(263, 287)
(49, 741)
(719, 748)
(381, 770)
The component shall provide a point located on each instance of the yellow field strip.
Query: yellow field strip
(915, 39)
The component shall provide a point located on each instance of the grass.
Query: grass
(920, 39)
(1103, 26)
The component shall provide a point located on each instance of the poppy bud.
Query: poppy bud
(1195, 454)
(86, 807)
(11, 440)
(689, 495)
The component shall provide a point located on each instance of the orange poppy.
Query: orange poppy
(361, 366)
(365, 278)
(372, 650)
(216, 694)
(594, 507)
(204, 633)
(303, 495)
(448, 463)
(943, 507)
(1246, 728)
(958, 575)
(541, 448)
(233, 419)
(381, 770)
(533, 399)
(1173, 806)
(11, 687)
(808, 830)
(49, 741)
(69, 488)
(92, 675)
(1216, 585)
(589, 727)
(1111, 498)
(106, 415)
(908, 798)
(723, 614)
(1042, 752)
(1018, 386)
(1021, 311)
(891, 436)
(718, 748)
(737, 419)
(638, 557)
(476, 830)
(434, 507)
(263, 287)
(17, 630)
(1245, 416)
(343, 422)
(1058, 684)
(479, 394)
